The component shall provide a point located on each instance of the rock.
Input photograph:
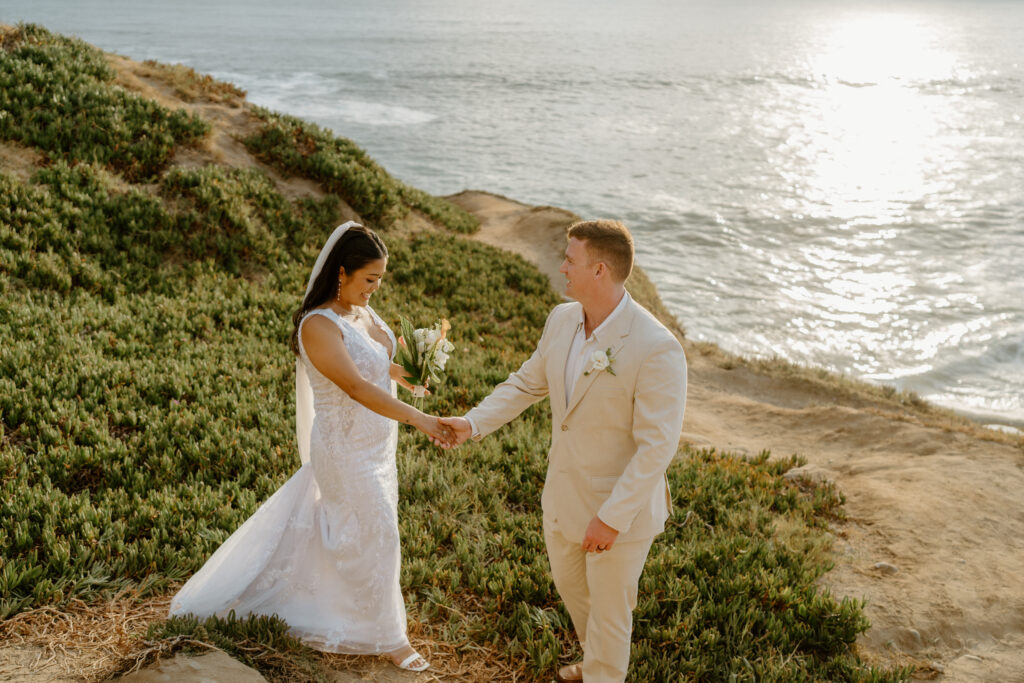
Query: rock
(887, 569)
(811, 472)
(911, 638)
(213, 667)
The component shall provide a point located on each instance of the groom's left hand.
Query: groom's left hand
(599, 537)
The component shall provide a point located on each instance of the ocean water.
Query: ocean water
(835, 183)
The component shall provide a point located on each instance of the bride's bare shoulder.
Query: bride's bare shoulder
(319, 328)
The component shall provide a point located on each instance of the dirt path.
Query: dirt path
(941, 507)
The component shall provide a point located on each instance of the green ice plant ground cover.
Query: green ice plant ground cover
(340, 166)
(146, 403)
(56, 96)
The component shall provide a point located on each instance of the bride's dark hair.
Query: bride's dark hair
(353, 250)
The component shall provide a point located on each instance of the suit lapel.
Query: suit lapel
(615, 338)
(559, 357)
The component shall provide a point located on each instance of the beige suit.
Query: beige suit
(611, 443)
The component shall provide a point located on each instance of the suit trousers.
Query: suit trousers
(599, 591)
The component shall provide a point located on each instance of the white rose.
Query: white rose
(419, 336)
(440, 358)
(598, 361)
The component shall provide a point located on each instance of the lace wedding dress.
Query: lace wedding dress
(323, 552)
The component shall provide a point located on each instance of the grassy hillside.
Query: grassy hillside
(146, 399)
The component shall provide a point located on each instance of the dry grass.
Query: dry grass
(7, 32)
(100, 641)
(189, 85)
(86, 642)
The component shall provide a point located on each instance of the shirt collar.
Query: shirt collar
(606, 323)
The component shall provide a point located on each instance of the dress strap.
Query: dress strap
(379, 322)
(339, 322)
(328, 313)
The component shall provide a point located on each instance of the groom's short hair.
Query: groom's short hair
(607, 241)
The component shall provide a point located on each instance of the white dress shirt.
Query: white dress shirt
(583, 346)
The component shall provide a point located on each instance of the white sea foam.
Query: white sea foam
(314, 97)
(367, 113)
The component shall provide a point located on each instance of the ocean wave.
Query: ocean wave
(346, 111)
(769, 79)
(672, 211)
(999, 83)
(321, 97)
(856, 84)
(972, 375)
(987, 83)
(365, 113)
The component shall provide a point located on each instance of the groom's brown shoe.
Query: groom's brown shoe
(573, 673)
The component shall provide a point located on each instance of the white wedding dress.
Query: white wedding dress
(323, 552)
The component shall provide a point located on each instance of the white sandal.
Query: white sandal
(407, 663)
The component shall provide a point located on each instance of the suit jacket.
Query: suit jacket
(613, 441)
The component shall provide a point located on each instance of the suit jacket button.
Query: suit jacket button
(565, 428)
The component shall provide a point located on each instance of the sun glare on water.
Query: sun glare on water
(870, 142)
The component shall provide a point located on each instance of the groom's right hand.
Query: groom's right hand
(461, 427)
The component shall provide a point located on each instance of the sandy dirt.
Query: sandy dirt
(34, 664)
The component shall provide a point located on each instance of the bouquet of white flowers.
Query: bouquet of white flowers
(423, 353)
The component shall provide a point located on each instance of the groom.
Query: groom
(617, 382)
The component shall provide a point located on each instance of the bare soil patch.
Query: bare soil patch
(231, 117)
(20, 162)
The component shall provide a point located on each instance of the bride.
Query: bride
(323, 552)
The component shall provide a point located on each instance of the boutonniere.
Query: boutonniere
(601, 360)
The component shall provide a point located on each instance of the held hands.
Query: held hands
(456, 430)
(460, 427)
(440, 434)
(598, 537)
